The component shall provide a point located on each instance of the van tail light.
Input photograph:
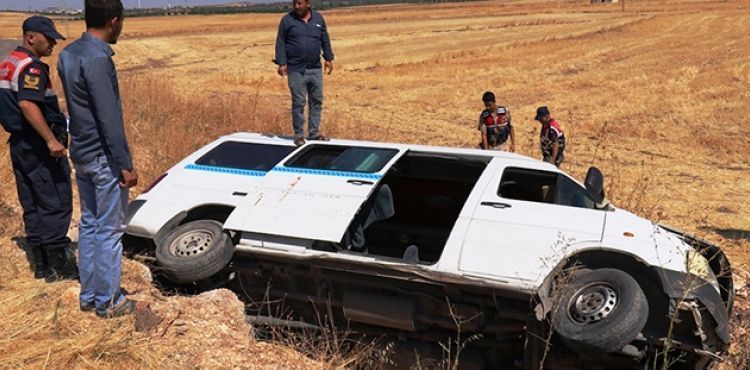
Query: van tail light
(151, 186)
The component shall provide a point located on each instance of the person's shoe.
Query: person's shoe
(126, 307)
(55, 275)
(87, 306)
(318, 137)
(298, 141)
(60, 267)
(41, 270)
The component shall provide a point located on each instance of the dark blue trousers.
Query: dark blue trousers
(44, 190)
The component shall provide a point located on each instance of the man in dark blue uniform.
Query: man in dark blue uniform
(29, 111)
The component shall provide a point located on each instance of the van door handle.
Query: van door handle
(360, 182)
(496, 205)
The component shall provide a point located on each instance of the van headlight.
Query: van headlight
(697, 265)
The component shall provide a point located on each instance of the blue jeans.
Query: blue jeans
(103, 204)
(304, 86)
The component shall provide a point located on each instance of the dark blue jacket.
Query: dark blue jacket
(23, 76)
(299, 44)
(92, 91)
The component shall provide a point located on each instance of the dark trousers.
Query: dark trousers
(44, 190)
(547, 155)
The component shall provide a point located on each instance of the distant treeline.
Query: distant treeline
(278, 7)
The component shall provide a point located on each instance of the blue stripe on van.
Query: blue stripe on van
(231, 171)
(307, 171)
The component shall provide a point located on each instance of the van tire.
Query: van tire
(194, 251)
(600, 311)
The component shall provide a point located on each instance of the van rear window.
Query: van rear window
(246, 156)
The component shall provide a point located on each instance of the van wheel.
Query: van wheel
(194, 251)
(600, 311)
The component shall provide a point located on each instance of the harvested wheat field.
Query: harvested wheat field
(656, 96)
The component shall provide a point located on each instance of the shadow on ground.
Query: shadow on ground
(732, 234)
(21, 243)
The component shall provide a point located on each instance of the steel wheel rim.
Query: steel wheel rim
(593, 303)
(191, 244)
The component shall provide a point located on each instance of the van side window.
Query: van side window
(528, 185)
(543, 187)
(342, 158)
(245, 156)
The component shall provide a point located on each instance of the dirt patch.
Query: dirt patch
(42, 326)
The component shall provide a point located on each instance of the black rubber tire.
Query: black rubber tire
(615, 329)
(201, 258)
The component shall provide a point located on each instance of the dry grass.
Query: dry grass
(42, 327)
(655, 96)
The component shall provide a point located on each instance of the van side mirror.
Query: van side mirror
(595, 184)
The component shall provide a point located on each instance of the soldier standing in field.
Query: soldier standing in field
(551, 137)
(495, 125)
(29, 111)
(301, 38)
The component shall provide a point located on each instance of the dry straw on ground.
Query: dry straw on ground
(655, 96)
(42, 327)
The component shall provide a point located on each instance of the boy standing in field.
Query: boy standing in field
(551, 137)
(301, 38)
(495, 125)
(101, 156)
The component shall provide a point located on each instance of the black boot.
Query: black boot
(60, 266)
(40, 262)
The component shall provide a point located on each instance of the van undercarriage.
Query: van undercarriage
(418, 317)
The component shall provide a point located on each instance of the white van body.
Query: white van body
(494, 220)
